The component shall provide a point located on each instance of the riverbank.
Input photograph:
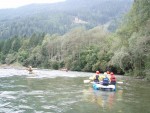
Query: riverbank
(18, 66)
(14, 66)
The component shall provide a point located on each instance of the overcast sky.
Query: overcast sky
(17, 3)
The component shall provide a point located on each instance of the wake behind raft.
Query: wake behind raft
(97, 86)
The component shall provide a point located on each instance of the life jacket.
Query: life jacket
(113, 78)
(105, 81)
(96, 78)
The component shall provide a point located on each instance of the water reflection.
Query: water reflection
(105, 99)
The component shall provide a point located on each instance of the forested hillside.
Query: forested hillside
(59, 18)
(125, 51)
(133, 55)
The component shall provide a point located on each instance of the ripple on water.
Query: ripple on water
(7, 95)
(25, 107)
(8, 108)
(49, 107)
(53, 108)
(4, 104)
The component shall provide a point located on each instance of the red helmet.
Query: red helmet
(97, 72)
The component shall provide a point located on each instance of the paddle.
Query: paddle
(86, 81)
(89, 81)
(120, 82)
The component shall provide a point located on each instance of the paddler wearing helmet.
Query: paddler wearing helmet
(96, 78)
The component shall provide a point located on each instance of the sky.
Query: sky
(17, 3)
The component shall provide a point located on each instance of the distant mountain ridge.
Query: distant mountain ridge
(59, 18)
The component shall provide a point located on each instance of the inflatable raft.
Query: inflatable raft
(103, 87)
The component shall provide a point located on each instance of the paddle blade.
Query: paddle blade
(91, 78)
(120, 82)
(86, 81)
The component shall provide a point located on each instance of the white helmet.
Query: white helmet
(105, 74)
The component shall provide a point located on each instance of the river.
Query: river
(51, 91)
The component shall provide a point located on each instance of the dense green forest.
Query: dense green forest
(61, 17)
(133, 55)
(125, 51)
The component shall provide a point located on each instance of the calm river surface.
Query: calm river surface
(64, 92)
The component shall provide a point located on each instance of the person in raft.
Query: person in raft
(96, 78)
(105, 80)
(30, 70)
(112, 78)
(108, 73)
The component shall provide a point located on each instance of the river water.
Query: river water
(49, 91)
